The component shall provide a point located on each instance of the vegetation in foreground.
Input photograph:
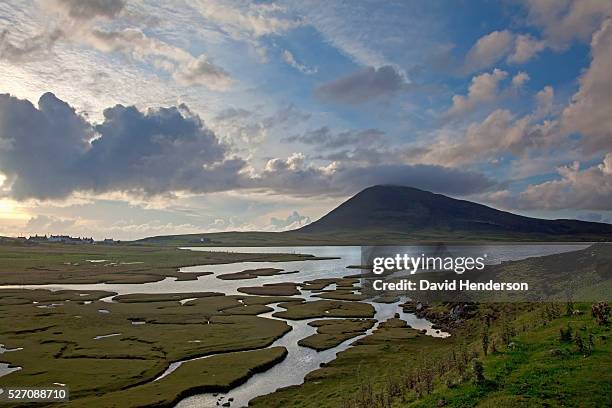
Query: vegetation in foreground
(218, 373)
(505, 355)
(99, 348)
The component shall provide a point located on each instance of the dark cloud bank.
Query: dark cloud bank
(50, 151)
(363, 85)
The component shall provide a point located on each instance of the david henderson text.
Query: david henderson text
(466, 285)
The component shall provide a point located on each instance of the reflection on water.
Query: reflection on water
(308, 270)
(300, 360)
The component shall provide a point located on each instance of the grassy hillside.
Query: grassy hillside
(526, 364)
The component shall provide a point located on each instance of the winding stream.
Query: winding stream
(300, 360)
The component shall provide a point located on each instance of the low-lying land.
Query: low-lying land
(503, 355)
(34, 264)
(100, 348)
(330, 333)
(272, 289)
(324, 308)
(254, 273)
(218, 373)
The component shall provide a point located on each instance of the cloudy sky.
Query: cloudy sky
(137, 118)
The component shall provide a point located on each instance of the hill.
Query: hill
(386, 214)
(407, 209)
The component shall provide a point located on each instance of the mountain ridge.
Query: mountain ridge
(405, 209)
(392, 215)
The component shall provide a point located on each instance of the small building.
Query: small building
(38, 238)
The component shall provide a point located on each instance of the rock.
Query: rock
(456, 312)
(397, 315)
(577, 312)
(226, 404)
(230, 399)
(554, 352)
(409, 307)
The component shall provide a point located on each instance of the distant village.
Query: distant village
(65, 239)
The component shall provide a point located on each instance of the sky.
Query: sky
(129, 119)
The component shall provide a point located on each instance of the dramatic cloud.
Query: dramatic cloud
(499, 133)
(363, 85)
(79, 22)
(484, 88)
(589, 111)
(497, 45)
(283, 175)
(488, 50)
(561, 22)
(88, 9)
(564, 21)
(325, 138)
(50, 151)
(588, 189)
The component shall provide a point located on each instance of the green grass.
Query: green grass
(324, 308)
(253, 273)
(272, 289)
(59, 346)
(330, 333)
(539, 370)
(384, 353)
(53, 263)
(215, 374)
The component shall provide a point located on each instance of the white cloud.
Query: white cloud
(290, 59)
(488, 50)
(588, 189)
(525, 48)
(589, 111)
(293, 221)
(483, 88)
(520, 79)
(564, 21)
(545, 102)
(202, 71)
(247, 21)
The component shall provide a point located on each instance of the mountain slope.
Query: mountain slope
(407, 209)
(391, 215)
